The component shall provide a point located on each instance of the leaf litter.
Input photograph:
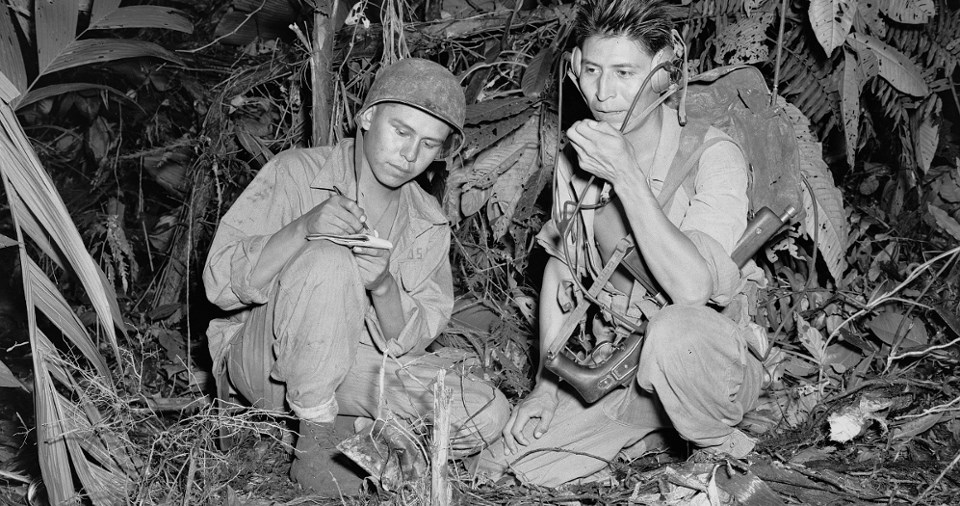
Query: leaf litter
(864, 400)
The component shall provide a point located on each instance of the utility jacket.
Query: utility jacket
(291, 184)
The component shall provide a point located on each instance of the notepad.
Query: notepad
(351, 240)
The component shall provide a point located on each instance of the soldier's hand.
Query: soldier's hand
(374, 266)
(336, 215)
(539, 405)
(602, 150)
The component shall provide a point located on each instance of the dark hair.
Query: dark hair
(645, 21)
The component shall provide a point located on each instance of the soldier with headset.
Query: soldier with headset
(695, 374)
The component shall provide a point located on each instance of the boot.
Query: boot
(318, 466)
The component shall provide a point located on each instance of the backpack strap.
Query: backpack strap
(686, 161)
(682, 171)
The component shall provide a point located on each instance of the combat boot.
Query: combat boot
(318, 465)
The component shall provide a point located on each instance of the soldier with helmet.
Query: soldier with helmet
(310, 320)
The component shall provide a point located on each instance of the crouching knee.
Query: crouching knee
(674, 345)
(319, 262)
(485, 410)
(673, 334)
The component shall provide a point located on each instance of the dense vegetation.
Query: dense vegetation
(146, 125)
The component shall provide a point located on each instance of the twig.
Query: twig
(232, 32)
(900, 338)
(440, 486)
(940, 408)
(381, 382)
(944, 473)
(191, 472)
(7, 475)
(776, 69)
(924, 351)
(889, 295)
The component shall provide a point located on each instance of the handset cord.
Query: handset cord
(566, 224)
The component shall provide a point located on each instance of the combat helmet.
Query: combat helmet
(428, 86)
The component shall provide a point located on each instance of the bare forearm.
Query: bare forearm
(672, 257)
(551, 318)
(386, 303)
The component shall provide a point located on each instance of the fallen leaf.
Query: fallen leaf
(945, 221)
(850, 421)
(887, 324)
(916, 426)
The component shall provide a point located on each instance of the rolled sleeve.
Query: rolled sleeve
(723, 272)
(244, 257)
(226, 276)
(259, 212)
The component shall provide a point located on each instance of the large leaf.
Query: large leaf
(479, 139)
(945, 221)
(913, 12)
(8, 379)
(35, 202)
(509, 186)
(103, 481)
(895, 67)
(497, 109)
(868, 18)
(892, 324)
(33, 229)
(54, 460)
(831, 21)
(88, 51)
(11, 59)
(850, 86)
(537, 73)
(59, 89)
(824, 215)
(480, 176)
(102, 9)
(56, 27)
(49, 300)
(38, 193)
(858, 67)
(926, 131)
(144, 16)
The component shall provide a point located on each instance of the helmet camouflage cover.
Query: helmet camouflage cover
(428, 86)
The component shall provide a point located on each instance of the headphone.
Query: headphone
(662, 64)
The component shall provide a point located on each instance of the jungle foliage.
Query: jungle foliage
(148, 131)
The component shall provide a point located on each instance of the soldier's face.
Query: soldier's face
(612, 69)
(401, 141)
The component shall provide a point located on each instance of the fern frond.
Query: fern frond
(936, 43)
(893, 102)
(715, 8)
(809, 82)
(703, 12)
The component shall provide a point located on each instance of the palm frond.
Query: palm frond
(69, 428)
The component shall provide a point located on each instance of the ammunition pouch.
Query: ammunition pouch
(592, 383)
